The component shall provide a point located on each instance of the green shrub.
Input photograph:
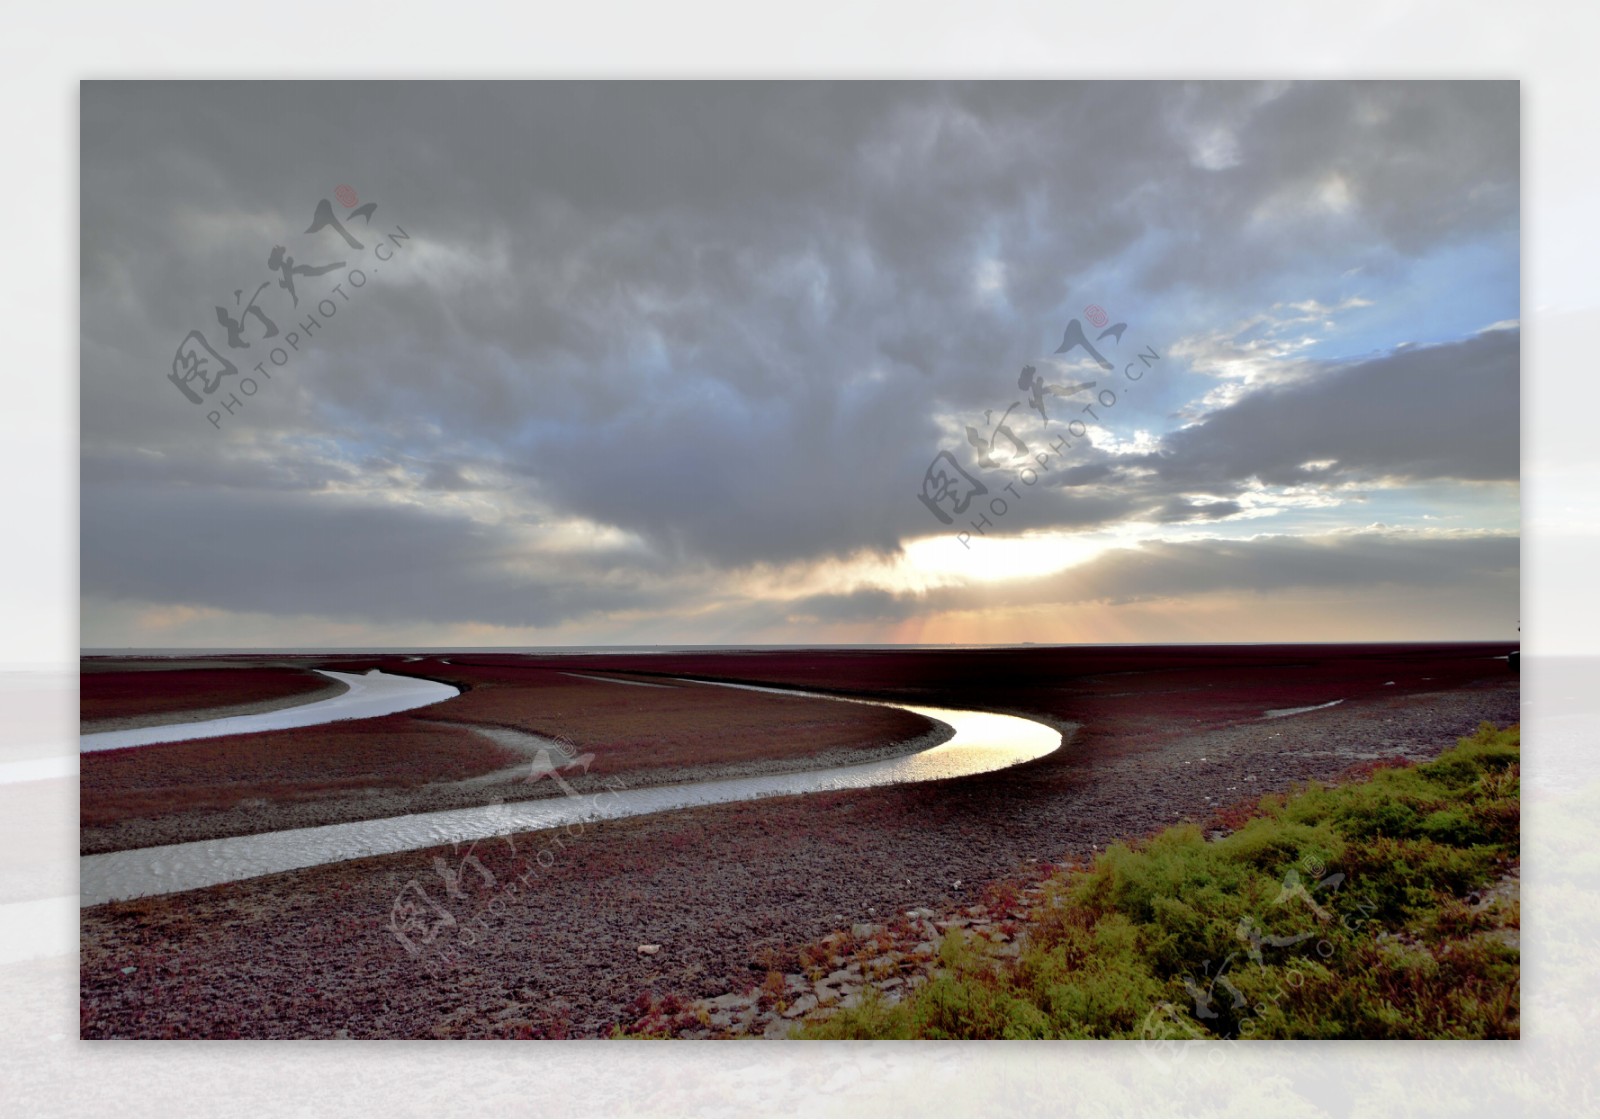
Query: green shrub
(1333, 913)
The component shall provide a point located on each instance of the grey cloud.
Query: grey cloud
(1436, 412)
(1181, 509)
(268, 553)
(1282, 563)
(449, 476)
(1420, 164)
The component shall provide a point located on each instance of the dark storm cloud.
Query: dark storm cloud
(725, 320)
(1322, 170)
(1437, 412)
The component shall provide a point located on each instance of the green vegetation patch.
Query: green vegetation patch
(1353, 911)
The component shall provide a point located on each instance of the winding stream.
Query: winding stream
(366, 695)
(983, 742)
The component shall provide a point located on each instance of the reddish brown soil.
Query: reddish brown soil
(117, 695)
(550, 947)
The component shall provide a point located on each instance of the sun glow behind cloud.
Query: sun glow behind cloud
(935, 561)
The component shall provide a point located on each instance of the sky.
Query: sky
(540, 364)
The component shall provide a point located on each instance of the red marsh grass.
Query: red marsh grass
(303, 763)
(630, 729)
(1164, 682)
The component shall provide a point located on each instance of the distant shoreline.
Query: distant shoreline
(1504, 645)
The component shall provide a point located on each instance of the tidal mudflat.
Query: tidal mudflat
(545, 933)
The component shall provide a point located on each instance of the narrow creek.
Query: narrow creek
(366, 695)
(982, 742)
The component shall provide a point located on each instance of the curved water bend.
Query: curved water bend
(373, 694)
(1280, 713)
(983, 741)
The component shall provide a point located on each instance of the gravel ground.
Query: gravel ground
(540, 935)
